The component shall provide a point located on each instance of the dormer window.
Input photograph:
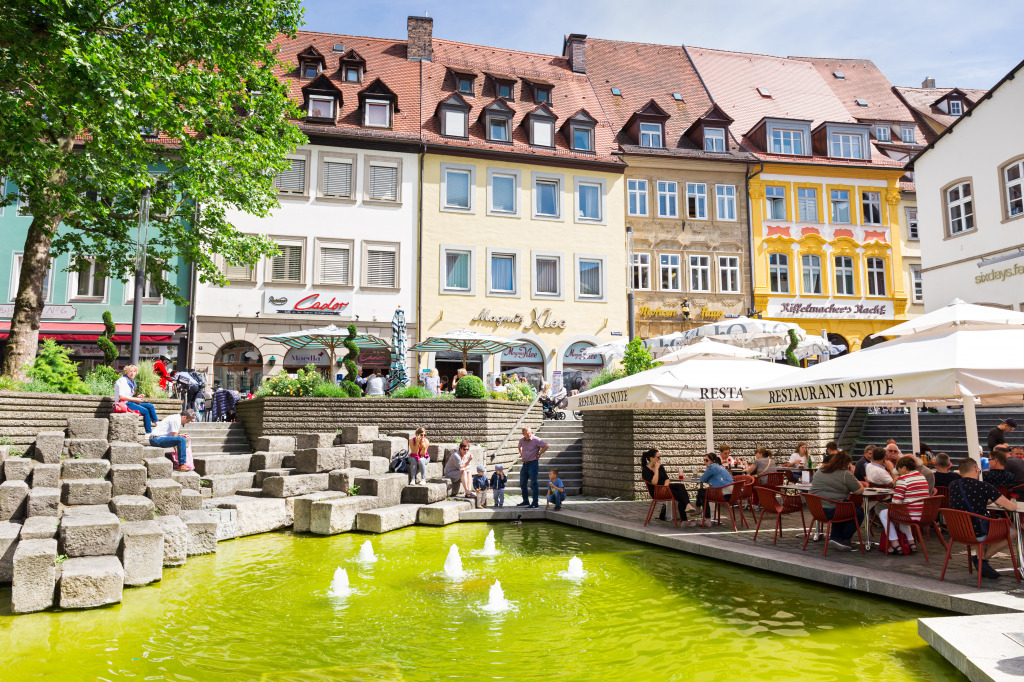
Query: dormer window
(714, 139)
(497, 129)
(650, 135)
(882, 133)
(453, 123)
(351, 66)
(321, 107)
(377, 114)
(583, 139)
(956, 107)
(579, 131)
(498, 121)
(311, 63)
(504, 90)
(907, 135)
(787, 141)
(351, 74)
(846, 146)
(542, 133)
(464, 85)
(543, 96)
(378, 104)
(322, 99)
(310, 70)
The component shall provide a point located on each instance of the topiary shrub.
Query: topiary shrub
(54, 369)
(104, 342)
(349, 385)
(790, 355)
(470, 387)
(420, 392)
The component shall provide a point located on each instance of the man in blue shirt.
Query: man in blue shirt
(715, 476)
(556, 491)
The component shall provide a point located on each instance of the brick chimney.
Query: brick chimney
(421, 31)
(576, 50)
(929, 83)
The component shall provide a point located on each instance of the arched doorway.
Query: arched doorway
(238, 366)
(577, 369)
(872, 341)
(839, 342)
(525, 360)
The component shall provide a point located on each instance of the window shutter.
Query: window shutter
(337, 179)
(334, 265)
(503, 190)
(380, 268)
(293, 180)
(455, 123)
(384, 183)
(238, 272)
(288, 266)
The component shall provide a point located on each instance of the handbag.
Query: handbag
(120, 407)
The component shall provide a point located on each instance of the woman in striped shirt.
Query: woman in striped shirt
(911, 489)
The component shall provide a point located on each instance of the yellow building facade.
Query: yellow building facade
(827, 249)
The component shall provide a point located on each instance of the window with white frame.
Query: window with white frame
(956, 107)
(844, 276)
(334, 263)
(498, 129)
(547, 275)
(714, 139)
(668, 197)
(907, 134)
(807, 204)
(725, 202)
(846, 146)
(697, 200)
(588, 201)
(457, 270)
(918, 282)
(547, 193)
(286, 267)
(960, 208)
(543, 133)
(876, 276)
(650, 135)
(840, 206)
(636, 191)
(778, 273)
(883, 133)
(1013, 179)
(671, 271)
(591, 277)
(457, 189)
(237, 273)
(787, 141)
(912, 232)
(336, 181)
(380, 265)
(812, 273)
(150, 289)
(89, 281)
(700, 273)
(16, 273)
(776, 200)
(503, 191)
(729, 274)
(872, 205)
(455, 122)
(642, 271)
(292, 180)
(502, 273)
(321, 107)
(377, 114)
(383, 183)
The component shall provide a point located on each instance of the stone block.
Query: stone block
(94, 535)
(202, 531)
(387, 488)
(13, 500)
(132, 508)
(43, 502)
(86, 491)
(45, 475)
(149, 451)
(227, 519)
(297, 484)
(319, 460)
(86, 510)
(88, 448)
(389, 447)
(141, 552)
(446, 482)
(343, 479)
(18, 468)
(387, 518)
(264, 474)
(252, 492)
(124, 426)
(127, 479)
(34, 576)
(175, 540)
(191, 500)
(443, 513)
(256, 514)
(38, 528)
(74, 469)
(5, 452)
(166, 496)
(434, 470)
(360, 450)
(127, 453)
(329, 517)
(189, 480)
(307, 441)
(288, 461)
(222, 485)
(275, 444)
(88, 427)
(267, 460)
(436, 452)
(158, 467)
(303, 504)
(405, 435)
(49, 446)
(9, 534)
(213, 465)
(424, 494)
(359, 434)
(88, 582)
(375, 465)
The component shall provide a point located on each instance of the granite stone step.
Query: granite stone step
(222, 485)
(442, 513)
(387, 519)
(212, 465)
(329, 517)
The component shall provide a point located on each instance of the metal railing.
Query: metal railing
(514, 428)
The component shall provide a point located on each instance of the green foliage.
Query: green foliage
(470, 387)
(10, 384)
(606, 376)
(420, 392)
(54, 369)
(103, 373)
(351, 371)
(36, 386)
(515, 391)
(353, 490)
(308, 382)
(104, 342)
(790, 355)
(329, 390)
(146, 381)
(638, 358)
(61, 558)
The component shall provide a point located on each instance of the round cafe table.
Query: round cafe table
(1016, 522)
(869, 496)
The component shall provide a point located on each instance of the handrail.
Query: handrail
(846, 426)
(516, 427)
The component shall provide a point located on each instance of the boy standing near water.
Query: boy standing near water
(498, 485)
(556, 491)
(480, 487)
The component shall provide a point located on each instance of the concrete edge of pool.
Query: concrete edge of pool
(974, 643)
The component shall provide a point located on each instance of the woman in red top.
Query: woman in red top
(418, 457)
(911, 489)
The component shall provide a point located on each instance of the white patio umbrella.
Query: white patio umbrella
(812, 345)
(705, 348)
(465, 342)
(701, 382)
(934, 365)
(746, 332)
(615, 349)
(330, 337)
(959, 315)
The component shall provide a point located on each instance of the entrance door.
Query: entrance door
(238, 366)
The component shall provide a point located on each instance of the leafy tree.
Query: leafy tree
(638, 357)
(55, 369)
(104, 342)
(85, 86)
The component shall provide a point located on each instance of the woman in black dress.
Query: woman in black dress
(654, 474)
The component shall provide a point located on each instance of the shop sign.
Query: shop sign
(306, 356)
(647, 311)
(91, 350)
(829, 308)
(556, 381)
(304, 303)
(999, 274)
(374, 357)
(709, 314)
(50, 312)
(574, 355)
(540, 318)
(526, 352)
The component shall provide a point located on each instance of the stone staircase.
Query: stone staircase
(218, 438)
(565, 453)
(941, 432)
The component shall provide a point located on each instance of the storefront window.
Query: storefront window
(238, 366)
(577, 369)
(525, 361)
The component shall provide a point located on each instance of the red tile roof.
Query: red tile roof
(920, 100)
(861, 80)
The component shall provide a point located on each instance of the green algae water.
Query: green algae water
(261, 609)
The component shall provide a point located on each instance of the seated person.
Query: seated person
(997, 474)
(167, 434)
(762, 464)
(835, 482)
(799, 457)
(715, 476)
(911, 489)
(498, 387)
(1015, 463)
(831, 448)
(725, 454)
(892, 451)
(943, 475)
(653, 473)
(878, 474)
(970, 494)
(862, 463)
(124, 391)
(556, 490)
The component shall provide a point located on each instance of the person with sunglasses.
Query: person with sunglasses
(653, 473)
(456, 469)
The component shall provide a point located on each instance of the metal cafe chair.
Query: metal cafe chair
(768, 499)
(899, 513)
(845, 511)
(961, 530)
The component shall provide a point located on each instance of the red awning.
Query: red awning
(88, 331)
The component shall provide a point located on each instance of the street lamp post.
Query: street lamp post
(140, 275)
(630, 314)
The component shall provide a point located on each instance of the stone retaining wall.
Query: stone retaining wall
(23, 415)
(481, 421)
(613, 440)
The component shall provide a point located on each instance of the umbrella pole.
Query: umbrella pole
(915, 428)
(709, 429)
(971, 424)
(465, 357)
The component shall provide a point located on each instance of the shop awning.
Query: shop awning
(89, 331)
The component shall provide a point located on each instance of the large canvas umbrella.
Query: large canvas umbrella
(612, 348)
(746, 332)
(330, 337)
(708, 348)
(465, 341)
(959, 315)
(399, 375)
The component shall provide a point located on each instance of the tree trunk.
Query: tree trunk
(23, 342)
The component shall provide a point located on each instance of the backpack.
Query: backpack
(400, 462)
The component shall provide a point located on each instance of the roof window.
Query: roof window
(861, 102)
(338, 47)
(617, 92)
(839, 75)
(677, 96)
(764, 92)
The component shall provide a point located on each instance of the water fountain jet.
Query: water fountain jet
(490, 549)
(339, 584)
(366, 555)
(575, 570)
(453, 563)
(496, 602)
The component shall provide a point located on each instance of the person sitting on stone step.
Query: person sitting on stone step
(124, 391)
(556, 490)
(418, 457)
(167, 434)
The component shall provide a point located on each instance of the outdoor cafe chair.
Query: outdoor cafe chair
(943, 492)
(774, 480)
(716, 496)
(961, 530)
(1017, 491)
(662, 493)
(768, 499)
(747, 494)
(845, 511)
(899, 513)
(1005, 490)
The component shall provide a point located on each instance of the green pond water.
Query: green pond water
(260, 609)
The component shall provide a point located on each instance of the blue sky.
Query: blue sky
(963, 44)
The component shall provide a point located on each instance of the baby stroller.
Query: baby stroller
(553, 407)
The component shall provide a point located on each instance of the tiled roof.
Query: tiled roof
(921, 99)
(907, 186)
(570, 92)
(861, 80)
